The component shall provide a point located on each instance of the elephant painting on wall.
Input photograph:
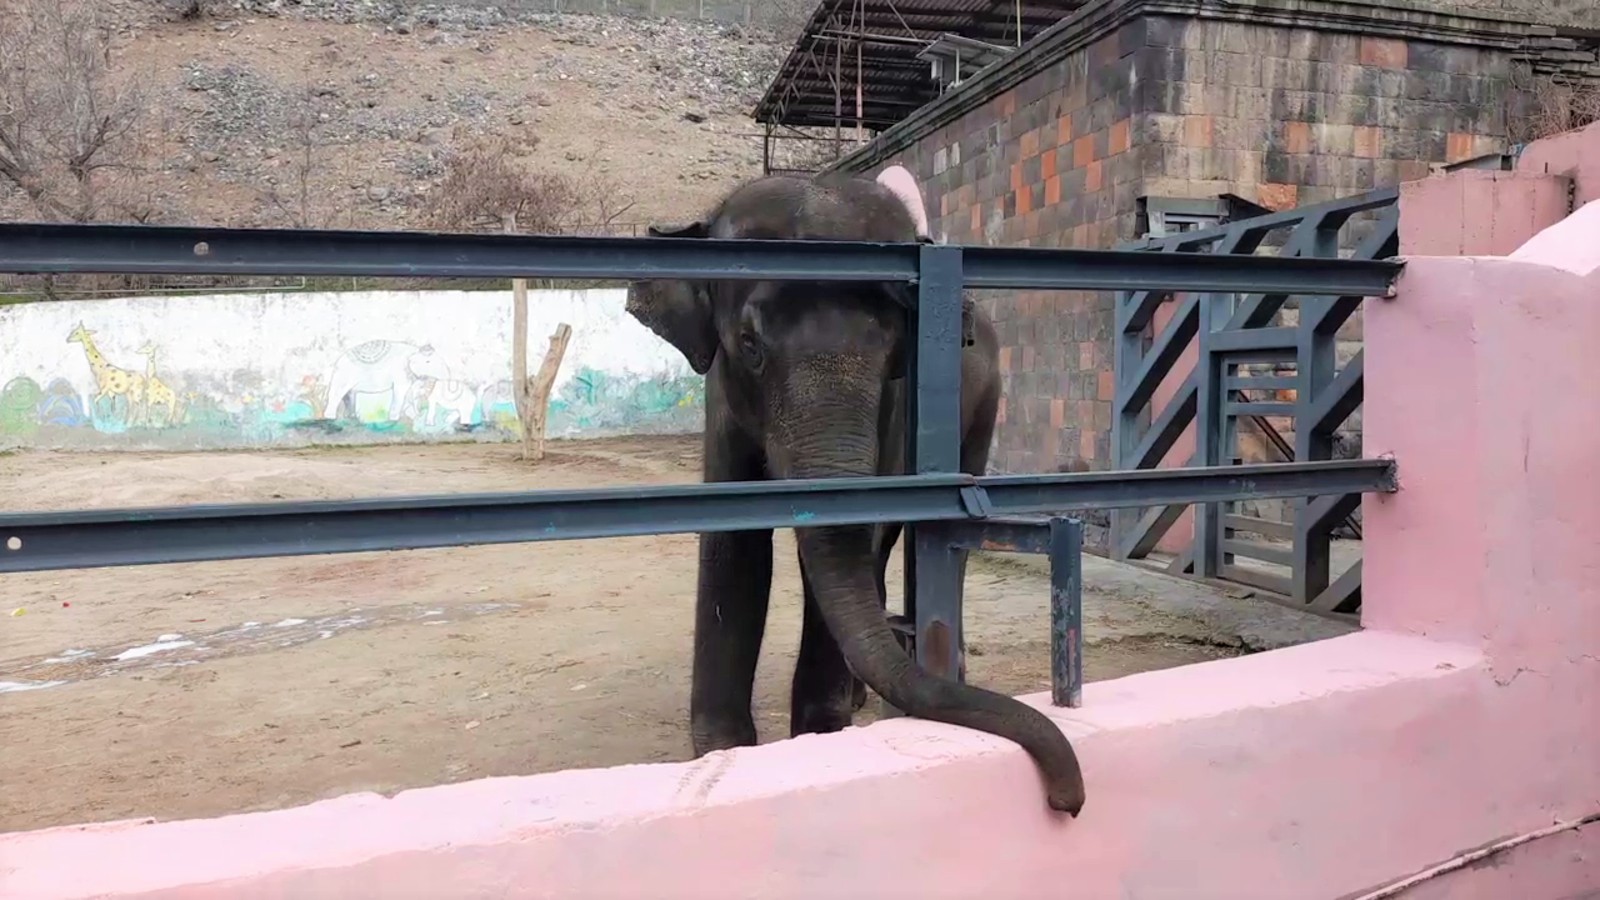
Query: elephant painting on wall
(805, 380)
(381, 367)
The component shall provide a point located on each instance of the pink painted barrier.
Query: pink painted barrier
(1574, 155)
(1468, 713)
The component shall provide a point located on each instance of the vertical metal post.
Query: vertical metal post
(1315, 360)
(933, 567)
(1066, 612)
(1209, 435)
(1125, 359)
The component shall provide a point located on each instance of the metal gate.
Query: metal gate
(1260, 356)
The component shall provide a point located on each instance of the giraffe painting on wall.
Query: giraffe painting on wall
(111, 384)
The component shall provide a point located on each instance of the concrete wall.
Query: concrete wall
(258, 370)
(1463, 715)
(1480, 212)
(1282, 104)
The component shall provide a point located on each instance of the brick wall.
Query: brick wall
(1162, 105)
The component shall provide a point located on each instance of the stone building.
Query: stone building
(1121, 115)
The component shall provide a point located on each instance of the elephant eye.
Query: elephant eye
(750, 346)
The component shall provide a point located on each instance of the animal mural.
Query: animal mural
(382, 386)
(111, 384)
(157, 393)
(19, 407)
(381, 367)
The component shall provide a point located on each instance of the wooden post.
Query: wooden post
(539, 388)
(519, 347)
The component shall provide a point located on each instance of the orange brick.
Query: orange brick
(1385, 53)
(1197, 131)
(1121, 137)
(1080, 236)
(1047, 163)
(1458, 146)
(977, 220)
(1016, 176)
(1052, 190)
(1058, 412)
(1092, 178)
(1008, 104)
(1106, 385)
(1024, 201)
(1082, 151)
(1064, 131)
(1369, 142)
(1000, 411)
(1297, 137)
(1030, 144)
(1279, 197)
(1005, 359)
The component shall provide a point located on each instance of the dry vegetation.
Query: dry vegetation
(1544, 105)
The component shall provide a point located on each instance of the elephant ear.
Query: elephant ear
(678, 312)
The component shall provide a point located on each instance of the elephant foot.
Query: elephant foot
(821, 718)
(858, 694)
(721, 735)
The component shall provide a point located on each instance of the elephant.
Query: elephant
(806, 380)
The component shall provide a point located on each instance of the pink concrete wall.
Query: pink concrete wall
(1489, 213)
(1575, 155)
(1477, 213)
(1467, 712)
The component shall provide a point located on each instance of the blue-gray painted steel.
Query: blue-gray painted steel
(116, 537)
(173, 250)
(935, 588)
(1231, 332)
(1066, 612)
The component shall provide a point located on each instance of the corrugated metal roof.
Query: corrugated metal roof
(875, 43)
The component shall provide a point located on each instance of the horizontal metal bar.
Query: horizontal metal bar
(1274, 408)
(1247, 339)
(1002, 535)
(1253, 525)
(1264, 552)
(116, 537)
(183, 250)
(1255, 578)
(1261, 383)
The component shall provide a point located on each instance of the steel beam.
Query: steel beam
(150, 536)
(182, 250)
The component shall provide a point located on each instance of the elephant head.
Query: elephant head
(803, 371)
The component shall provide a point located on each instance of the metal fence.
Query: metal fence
(1263, 342)
(947, 512)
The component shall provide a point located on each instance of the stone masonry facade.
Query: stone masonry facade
(1127, 100)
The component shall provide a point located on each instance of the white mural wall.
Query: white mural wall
(271, 369)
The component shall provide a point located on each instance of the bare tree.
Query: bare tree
(1544, 105)
(294, 197)
(69, 131)
(488, 185)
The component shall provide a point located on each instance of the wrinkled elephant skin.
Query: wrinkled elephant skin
(805, 380)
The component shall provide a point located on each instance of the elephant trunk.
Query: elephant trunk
(838, 436)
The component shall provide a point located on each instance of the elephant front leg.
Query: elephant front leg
(730, 618)
(820, 700)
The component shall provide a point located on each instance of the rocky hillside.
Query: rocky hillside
(344, 113)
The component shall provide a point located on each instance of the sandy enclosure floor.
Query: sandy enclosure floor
(201, 689)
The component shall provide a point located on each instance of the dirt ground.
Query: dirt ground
(201, 689)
